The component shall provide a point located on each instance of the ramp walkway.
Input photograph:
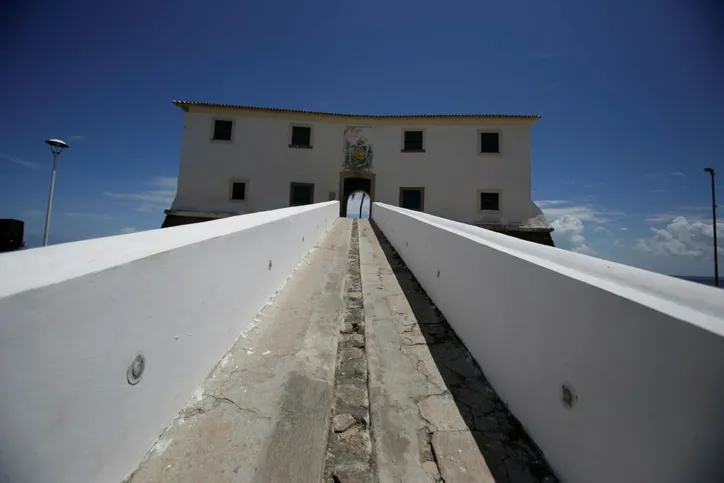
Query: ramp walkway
(349, 374)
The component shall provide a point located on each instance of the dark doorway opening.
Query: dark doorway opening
(301, 194)
(412, 198)
(349, 186)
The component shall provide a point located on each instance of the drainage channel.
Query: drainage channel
(349, 449)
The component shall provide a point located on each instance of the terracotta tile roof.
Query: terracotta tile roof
(185, 105)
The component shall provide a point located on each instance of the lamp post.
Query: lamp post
(713, 215)
(360, 204)
(56, 146)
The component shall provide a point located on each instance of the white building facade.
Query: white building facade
(469, 168)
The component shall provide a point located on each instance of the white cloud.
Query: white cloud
(18, 161)
(126, 230)
(585, 249)
(623, 228)
(153, 199)
(555, 209)
(681, 238)
(570, 228)
(677, 173)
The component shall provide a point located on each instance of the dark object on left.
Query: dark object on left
(11, 234)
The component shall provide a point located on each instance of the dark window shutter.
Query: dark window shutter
(489, 201)
(222, 130)
(301, 136)
(489, 142)
(413, 141)
(238, 191)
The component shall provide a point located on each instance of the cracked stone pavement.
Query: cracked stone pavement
(434, 416)
(265, 413)
(262, 415)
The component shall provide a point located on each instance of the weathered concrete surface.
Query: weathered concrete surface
(433, 413)
(263, 413)
(400, 435)
(459, 459)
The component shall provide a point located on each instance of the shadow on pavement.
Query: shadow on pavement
(509, 452)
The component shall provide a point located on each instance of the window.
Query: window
(301, 137)
(412, 198)
(223, 130)
(301, 194)
(489, 142)
(489, 201)
(413, 141)
(238, 191)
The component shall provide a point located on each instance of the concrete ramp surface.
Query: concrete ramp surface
(349, 374)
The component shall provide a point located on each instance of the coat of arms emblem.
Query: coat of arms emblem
(358, 152)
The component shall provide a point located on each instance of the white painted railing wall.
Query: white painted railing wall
(73, 316)
(644, 353)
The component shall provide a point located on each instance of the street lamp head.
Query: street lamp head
(709, 170)
(56, 145)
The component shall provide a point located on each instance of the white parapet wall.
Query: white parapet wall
(642, 353)
(73, 316)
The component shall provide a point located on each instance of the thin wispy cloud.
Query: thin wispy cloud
(677, 173)
(660, 218)
(127, 230)
(545, 55)
(18, 161)
(32, 212)
(659, 191)
(600, 229)
(160, 197)
(693, 213)
(546, 203)
(585, 212)
(94, 216)
(77, 137)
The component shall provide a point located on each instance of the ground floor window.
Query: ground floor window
(301, 194)
(489, 201)
(412, 198)
(238, 190)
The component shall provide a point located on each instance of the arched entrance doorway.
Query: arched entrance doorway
(351, 182)
(358, 205)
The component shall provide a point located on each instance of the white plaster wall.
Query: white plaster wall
(72, 316)
(644, 352)
(451, 170)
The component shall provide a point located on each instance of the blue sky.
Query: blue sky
(630, 94)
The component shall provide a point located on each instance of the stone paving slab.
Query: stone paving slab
(459, 459)
(263, 413)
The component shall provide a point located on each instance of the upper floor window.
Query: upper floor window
(489, 142)
(489, 201)
(301, 137)
(413, 141)
(223, 130)
(238, 191)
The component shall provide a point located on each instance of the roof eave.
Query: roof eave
(185, 106)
